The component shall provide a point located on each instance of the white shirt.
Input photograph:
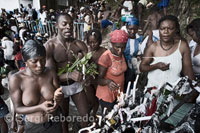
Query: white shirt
(8, 49)
(130, 7)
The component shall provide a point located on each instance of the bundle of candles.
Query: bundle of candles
(129, 113)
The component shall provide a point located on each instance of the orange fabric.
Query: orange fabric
(116, 66)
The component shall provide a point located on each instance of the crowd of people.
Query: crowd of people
(31, 61)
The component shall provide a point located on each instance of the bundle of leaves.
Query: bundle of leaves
(83, 65)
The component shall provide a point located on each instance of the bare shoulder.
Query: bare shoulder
(81, 45)
(50, 71)
(15, 79)
(153, 46)
(50, 44)
(184, 47)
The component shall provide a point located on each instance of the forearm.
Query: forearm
(147, 68)
(28, 110)
(103, 81)
(64, 77)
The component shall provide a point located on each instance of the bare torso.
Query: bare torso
(63, 54)
(35, 90)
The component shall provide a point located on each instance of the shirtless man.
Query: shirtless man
(34, 91)
(62, 50)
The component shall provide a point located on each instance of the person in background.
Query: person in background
(132, 50)
(112, 66)
(163, 4)
(8, 48)
(94, 40)
(193, 30)
(3, 107)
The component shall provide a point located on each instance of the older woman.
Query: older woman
(34, 91)
(166, 59)
(193, 30)
(112, 66)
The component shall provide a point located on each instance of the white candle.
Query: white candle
(128, 88)
(134, 88)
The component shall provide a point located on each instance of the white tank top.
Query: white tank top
(195, 61)
(158, 77)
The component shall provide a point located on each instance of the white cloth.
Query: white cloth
(43, 17)
(143, 2)
(125, 29)
(86, 26)
(192, 43)
(8, 49)
(72, 89)
(195, 61)
(130, 7)
(158, 77)
(144, 42)
(14, 28)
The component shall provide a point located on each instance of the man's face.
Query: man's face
(65, 26)
(132, 30)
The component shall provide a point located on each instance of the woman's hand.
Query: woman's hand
(58, 95)
(162, 66)
(112, 85)
(47, 106)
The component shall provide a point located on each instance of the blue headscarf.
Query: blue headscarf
(132, 21)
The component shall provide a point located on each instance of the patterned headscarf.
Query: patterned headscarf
(119, 36)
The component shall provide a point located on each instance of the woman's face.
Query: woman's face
(93, 43)
(167, 30)
(37, 64)
(118, 48)
(193, 34)
(132, 30)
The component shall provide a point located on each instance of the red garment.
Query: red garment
(116, 66)
(152, 109)
(119, 36)
(18, 56)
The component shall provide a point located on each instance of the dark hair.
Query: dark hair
(96, 33)
(171, 18)
(62, 14)
(32, 49)
(195, 26)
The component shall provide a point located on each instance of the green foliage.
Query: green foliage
(82, 65)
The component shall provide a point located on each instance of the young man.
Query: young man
(61, 50)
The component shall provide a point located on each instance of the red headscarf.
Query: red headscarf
(118, 36)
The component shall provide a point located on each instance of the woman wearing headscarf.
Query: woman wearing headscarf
(132, 49)
(112, 66)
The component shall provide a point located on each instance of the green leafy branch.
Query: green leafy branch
(81, 65)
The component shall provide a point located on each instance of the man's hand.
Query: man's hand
(76, 76)
(58, 95)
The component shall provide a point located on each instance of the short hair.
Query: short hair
(62, 14)
(32, 49)
(195, 26)
(171, 18)
(96, 33)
